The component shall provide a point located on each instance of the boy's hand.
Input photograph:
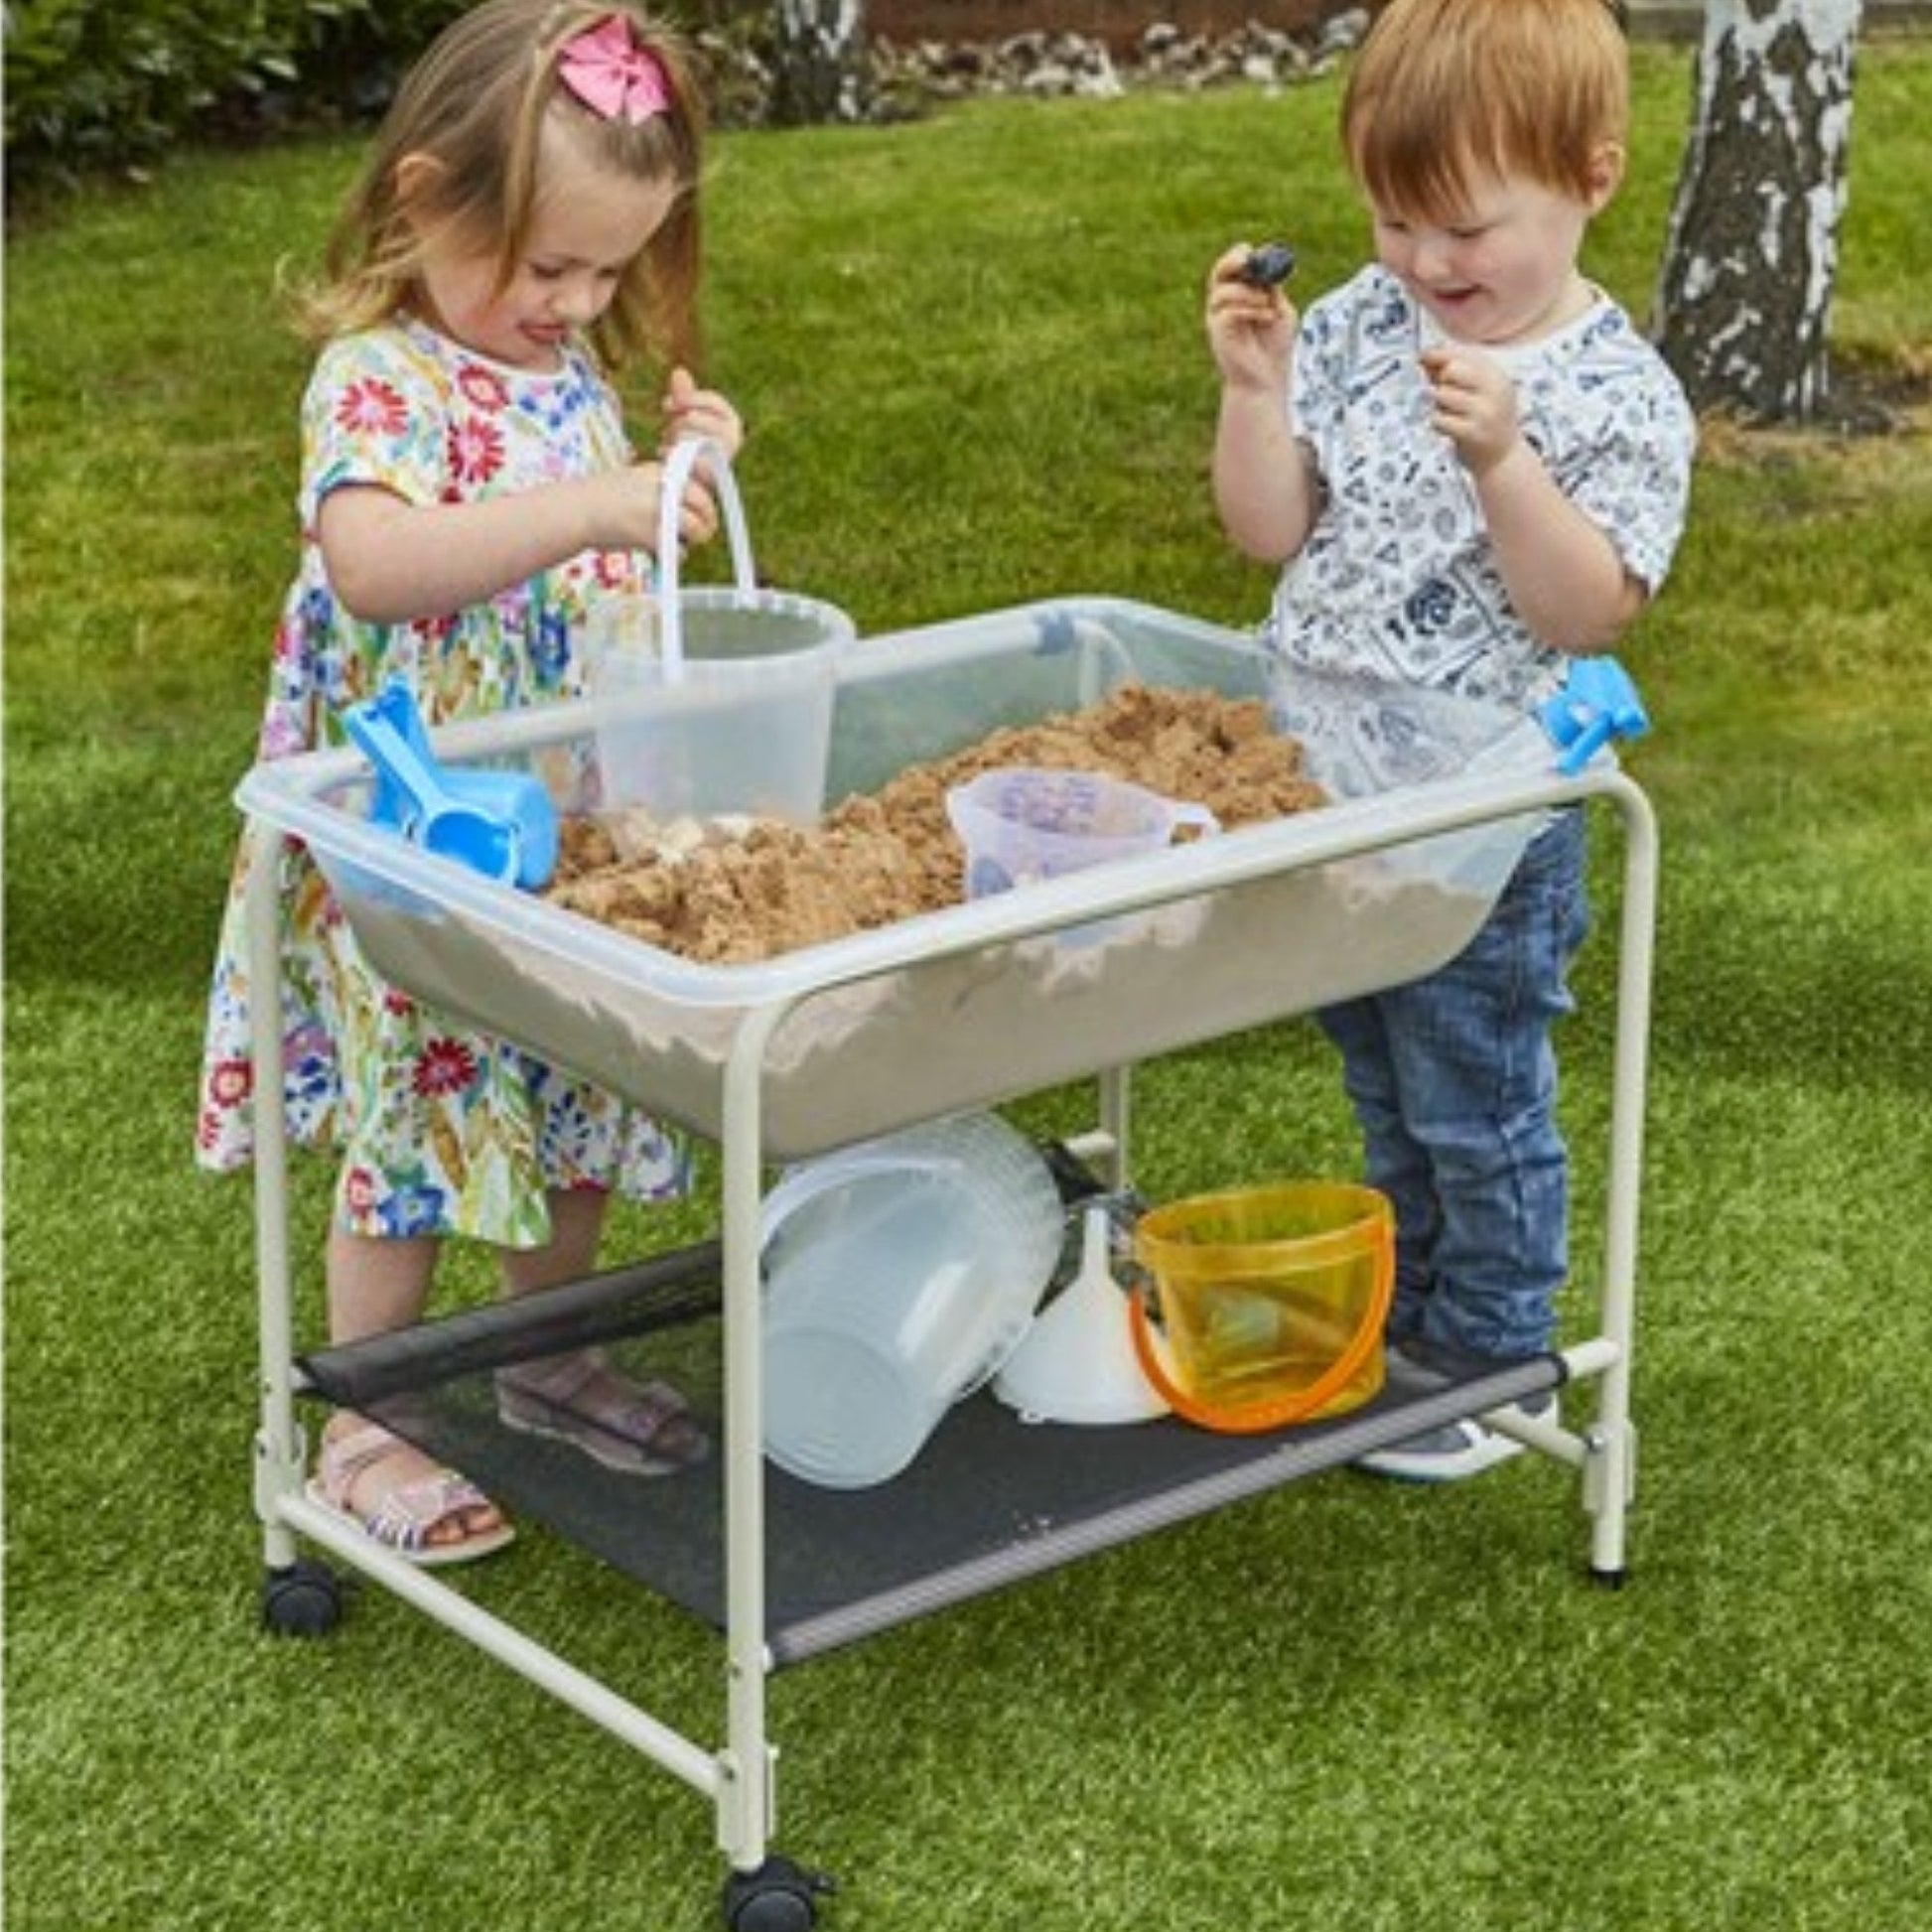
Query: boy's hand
(690, 411)
(1474, 406)
(1250, 328)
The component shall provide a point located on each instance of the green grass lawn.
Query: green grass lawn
(970, 354)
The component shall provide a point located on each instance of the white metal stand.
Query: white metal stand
(738, 1776)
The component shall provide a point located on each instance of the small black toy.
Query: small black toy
(1270, 265)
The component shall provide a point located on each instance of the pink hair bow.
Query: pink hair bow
(607, 70)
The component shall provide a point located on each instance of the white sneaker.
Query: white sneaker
(1456, 1450)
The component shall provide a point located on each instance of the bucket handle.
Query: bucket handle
(1269, 1415)
(686, 454)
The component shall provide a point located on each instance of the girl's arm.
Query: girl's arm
(1265, 486)
(391, 561)
(1563, 574)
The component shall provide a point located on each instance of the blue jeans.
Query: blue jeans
(1453, 1081)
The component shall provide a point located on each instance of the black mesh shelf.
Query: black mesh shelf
(990, 1499)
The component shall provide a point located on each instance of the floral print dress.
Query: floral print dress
(441, 1129)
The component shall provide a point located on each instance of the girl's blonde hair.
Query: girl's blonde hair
(1444, 91)
(477, 104)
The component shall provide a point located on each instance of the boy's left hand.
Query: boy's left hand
(1474, 401)
(690, 411)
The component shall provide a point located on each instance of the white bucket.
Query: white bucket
(714, 701)
(746, 730)
(900, 1275)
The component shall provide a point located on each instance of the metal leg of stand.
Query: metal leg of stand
(280, 1450)
(281, 1454)
(747, 1798)
(1116, 1122)
(1610, 1468)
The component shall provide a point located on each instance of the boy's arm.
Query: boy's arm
(1265, 486)
(1563, 574)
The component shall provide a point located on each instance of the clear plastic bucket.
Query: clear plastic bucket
(712, 702)
(899, 1274)
(1271, 1302)
(1018, 824)
(744, 724)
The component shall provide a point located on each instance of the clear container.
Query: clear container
(744, 725)
(710, 701)
(1020, 826)
(963, 1007)
(900, 1275)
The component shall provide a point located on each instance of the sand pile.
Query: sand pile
(734, 891)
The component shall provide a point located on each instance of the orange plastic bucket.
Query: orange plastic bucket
(1268, 1302)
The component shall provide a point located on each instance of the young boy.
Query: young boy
(1471, 467)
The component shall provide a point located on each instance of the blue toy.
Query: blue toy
(501, 824)
(1598, 701)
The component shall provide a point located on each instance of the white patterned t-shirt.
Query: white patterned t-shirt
(1397, 581)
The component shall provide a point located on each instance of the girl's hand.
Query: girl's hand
(1474, 406)
(628, 501)
(623, 508)
(697, 514)
(690, 411)
(1250, 330)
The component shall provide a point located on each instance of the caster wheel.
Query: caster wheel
(779, 1896)
(303, 1600)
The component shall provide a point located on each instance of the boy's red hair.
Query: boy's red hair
(1446, 91)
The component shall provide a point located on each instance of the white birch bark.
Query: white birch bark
(821, 61)
(1743, 304)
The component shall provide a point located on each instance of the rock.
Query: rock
(1041, 61)
(1343, 33)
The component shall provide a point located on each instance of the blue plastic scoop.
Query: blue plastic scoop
(501, 824)
(1598, 701)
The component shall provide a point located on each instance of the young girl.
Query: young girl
(527, 220)
(1471, 464)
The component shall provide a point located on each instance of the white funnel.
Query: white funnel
(1077, 1362)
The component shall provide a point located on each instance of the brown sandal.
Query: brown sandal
(408, 1516)
(637, 1429)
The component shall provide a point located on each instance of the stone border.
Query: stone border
(910, 77)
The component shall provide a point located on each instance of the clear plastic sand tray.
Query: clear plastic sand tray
(971, 1005)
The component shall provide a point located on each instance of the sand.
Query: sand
(746, 890)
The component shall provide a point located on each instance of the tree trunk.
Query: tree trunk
(1746, 297)
(821, 61)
